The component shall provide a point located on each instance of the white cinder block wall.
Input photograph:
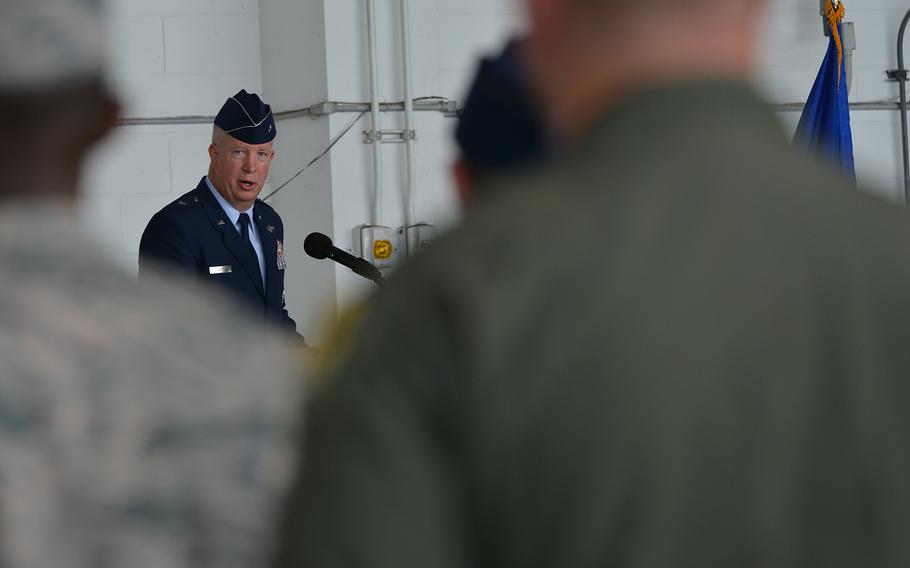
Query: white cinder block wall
(169, 58)
(184, 57)
(294, 76)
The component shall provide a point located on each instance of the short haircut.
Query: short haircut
(79, 106)
(218, 135)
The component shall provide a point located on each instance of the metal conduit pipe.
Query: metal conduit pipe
(199, 119)
(374, 135)
(409, 134)
(447, 107)
(871, 105)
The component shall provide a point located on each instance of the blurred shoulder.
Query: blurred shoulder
(195, 404)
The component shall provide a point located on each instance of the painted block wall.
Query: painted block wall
(168, 58)
(294, 76)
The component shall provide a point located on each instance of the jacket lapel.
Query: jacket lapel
(231, 237)
(270, 251)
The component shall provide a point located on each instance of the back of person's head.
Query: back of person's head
(584, 54)
(54, 101)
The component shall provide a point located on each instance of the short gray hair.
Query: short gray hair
(218, 135)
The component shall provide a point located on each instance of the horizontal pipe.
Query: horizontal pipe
(166, 120)
(447, 107)
(440, 105)
(322, 109)
(872, 105)
(197, 119)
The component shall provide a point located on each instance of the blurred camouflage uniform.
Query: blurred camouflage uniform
(139, 426)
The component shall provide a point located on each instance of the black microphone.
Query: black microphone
(320, 246)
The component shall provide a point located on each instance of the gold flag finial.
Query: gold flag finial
(834, 13)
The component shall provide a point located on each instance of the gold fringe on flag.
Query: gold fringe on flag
(834, 12)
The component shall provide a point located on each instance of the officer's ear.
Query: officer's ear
(213, 151)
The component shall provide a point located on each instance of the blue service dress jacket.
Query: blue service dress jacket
(194, 234)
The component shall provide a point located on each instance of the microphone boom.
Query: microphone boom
(319, 246)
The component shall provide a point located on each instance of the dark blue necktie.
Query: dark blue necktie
(245, 238)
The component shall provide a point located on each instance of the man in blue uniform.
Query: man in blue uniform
(220, 231)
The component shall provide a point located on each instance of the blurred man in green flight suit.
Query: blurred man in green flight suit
(680, 343)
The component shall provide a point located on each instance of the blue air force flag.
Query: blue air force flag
(824, 127)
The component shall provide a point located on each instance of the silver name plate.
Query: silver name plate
(219, 269)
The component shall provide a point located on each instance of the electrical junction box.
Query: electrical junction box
(378, 245)
(418, 238)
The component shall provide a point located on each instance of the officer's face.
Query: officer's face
(240, 170)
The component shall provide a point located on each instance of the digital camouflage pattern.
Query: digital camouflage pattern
(138, 425)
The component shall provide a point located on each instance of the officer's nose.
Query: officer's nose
(249, 163)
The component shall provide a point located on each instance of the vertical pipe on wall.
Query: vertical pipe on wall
(408, 114)
(375, 135)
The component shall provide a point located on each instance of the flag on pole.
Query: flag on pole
(824, 127)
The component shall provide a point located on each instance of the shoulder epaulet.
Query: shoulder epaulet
(263, 206)
(184, 202)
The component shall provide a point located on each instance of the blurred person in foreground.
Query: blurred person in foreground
(683, 344)
(500, 129)
(139, 427)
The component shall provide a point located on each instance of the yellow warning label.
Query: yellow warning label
(382, 249)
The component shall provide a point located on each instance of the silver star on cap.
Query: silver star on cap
(270, 228)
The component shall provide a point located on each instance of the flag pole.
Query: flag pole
(901, 77)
